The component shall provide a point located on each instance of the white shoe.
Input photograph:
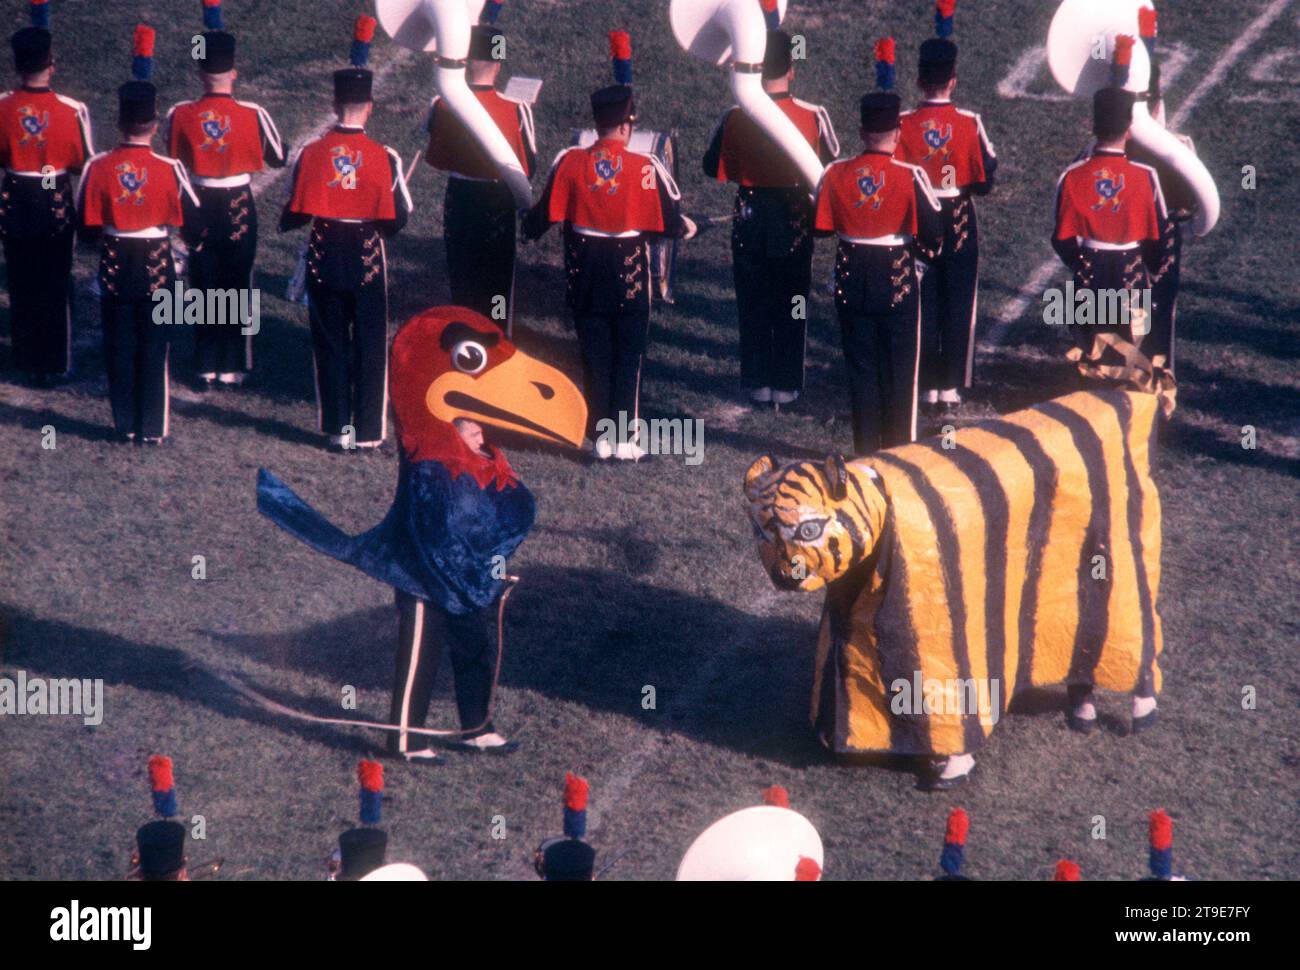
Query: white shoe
(956, 766)
(630, 451)
(761, 395)
(950, 396)
(231, 377)
(1142, 706)
(932, 396)
(784, 397)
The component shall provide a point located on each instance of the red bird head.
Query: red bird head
(451, 362)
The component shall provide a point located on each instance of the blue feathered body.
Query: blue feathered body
(440, 540)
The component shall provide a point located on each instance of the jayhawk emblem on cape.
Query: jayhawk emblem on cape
(215, 128)
(869, 185)
(607, 171)
(133, 181)
(33, 124)
(936, 139)
(1108, 189)
(345, 166)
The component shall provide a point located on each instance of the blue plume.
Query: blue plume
(884, 76)
(212, 19)
(490, 12)
(575, 823)
(41, 14)
(372, 807)
(952, 858)
(164, 802)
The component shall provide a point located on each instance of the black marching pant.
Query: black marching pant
(949, 289)
(135, 354)
(38, 228)
(771, 257)
(224, 261)
(1164, 300)
(347, 296)
(772, 338)
(479, 235)
(880, 326)
(424, 631)
(613, 348)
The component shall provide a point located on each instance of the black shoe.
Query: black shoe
(933, 781)
(1080, 725)
(1141, 724)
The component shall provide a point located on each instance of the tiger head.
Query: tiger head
(813, 522)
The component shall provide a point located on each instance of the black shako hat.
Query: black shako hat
(137, 103)
(352, 85)
(567, 860)
(776, 56)
(937, 62)
(1112, 112)
(161, 845)
(879, 111)
(32, 47)
(361, 852)
(612, 106)
(219, 52)
(483, 43)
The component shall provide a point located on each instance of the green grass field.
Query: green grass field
(647, 575)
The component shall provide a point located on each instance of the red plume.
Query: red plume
(142, 45)
(958, 826)
(575, 792)
(1147, 21)
(620, 45)
(768, 5)
(885, 50)
(946, 7)
(1066, 871)
(371, 775)
(364, 30)
(807, 870)
(1123, 50)
(777, 796)
(160, 773)
(1162, 830)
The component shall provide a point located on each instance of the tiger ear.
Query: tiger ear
(757, 471)
(837, 477)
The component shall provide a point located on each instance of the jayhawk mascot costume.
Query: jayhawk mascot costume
(460, 511)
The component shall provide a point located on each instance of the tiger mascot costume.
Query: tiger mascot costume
(1014, 553)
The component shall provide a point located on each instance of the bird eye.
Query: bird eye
(469, 357)
(810, 531)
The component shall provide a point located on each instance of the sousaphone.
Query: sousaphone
(1080, 45)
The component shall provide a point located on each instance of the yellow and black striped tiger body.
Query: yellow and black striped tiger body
(1022, 552)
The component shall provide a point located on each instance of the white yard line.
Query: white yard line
(1014, 306)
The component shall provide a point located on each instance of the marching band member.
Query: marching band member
(771, 236)
(222, 142)
(1109, 216)
(44, 140)
(160, 844)
(569, 858)
(610, 200)
(953, 148)
(886, 215)
(130, 196)
(352, 190)
(479, 212)
(1181, 203)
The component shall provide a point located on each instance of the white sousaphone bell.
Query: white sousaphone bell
(734, 31)
(1080, 44)
(443, 27)
(759, 844)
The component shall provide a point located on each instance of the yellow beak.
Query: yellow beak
(522, 395)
